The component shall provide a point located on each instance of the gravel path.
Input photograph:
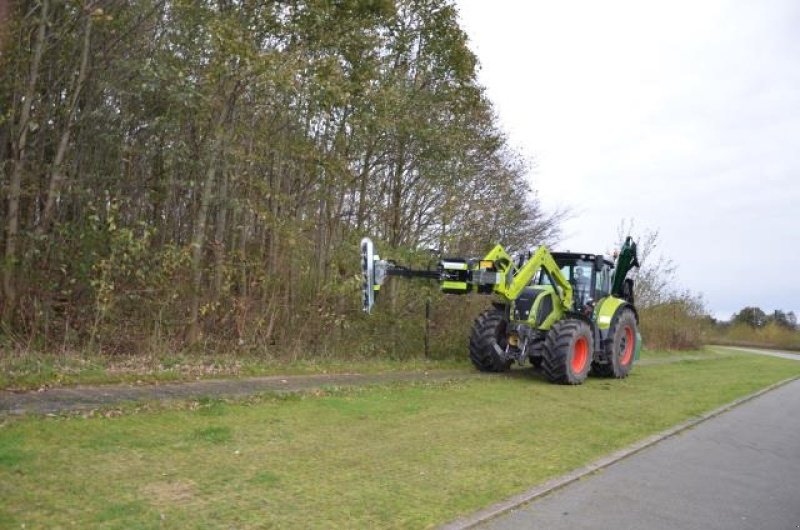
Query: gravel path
(85, 397)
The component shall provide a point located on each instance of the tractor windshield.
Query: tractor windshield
(579, 274)
(581, 280)
(602, 284)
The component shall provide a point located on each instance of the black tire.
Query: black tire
(536, 349)
(568, 352)
(489, 330)
(621, 346)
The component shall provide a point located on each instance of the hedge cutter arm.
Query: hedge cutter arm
(495, 273)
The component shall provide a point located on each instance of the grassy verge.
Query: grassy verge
(405, 456)
(33, 371)
(658, 355)
(30, 371)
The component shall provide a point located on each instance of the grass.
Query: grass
(676, 354)
(29, 370)
(400, 456)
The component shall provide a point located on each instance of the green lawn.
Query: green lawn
(404, 456)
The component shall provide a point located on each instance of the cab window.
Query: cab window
(603, 283)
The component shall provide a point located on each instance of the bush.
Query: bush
(678, 324)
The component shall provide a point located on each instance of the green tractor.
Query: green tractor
(566, 313)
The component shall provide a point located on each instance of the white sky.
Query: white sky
(683, 115)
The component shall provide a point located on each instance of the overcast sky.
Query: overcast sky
(683, 115)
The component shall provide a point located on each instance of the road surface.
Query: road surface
(738, 470)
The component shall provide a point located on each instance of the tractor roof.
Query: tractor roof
(563, 257)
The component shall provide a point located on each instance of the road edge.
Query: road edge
(497, 509)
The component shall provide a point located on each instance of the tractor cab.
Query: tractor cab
(589, 274)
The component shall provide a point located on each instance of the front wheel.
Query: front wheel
(488, 341)
(568, 352)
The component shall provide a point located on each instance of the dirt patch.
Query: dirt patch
(83, 398)
(168, 494)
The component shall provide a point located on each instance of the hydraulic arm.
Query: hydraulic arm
(498, 272)
(626, 260)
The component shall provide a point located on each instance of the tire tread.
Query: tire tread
(482, 341)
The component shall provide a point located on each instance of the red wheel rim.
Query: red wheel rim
(580, 354)
(627, 352)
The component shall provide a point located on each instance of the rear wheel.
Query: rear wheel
(568, 352)
(622, 347)
(489, 334)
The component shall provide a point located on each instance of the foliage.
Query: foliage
(755, 317)
(752, 326)
(770, 335)
(185, 173)
(677, 324)
(751, 316)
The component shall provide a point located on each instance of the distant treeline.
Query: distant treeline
(183, 172)
(752, 326)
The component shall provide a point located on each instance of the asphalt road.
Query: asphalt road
(738, 470)
(772, 353)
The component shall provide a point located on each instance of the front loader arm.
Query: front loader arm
(521, 278)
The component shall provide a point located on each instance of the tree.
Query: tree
(180, 170)
(751, 316)
(783, 319)
(791, 319)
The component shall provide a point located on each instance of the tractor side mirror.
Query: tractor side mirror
(598, 263)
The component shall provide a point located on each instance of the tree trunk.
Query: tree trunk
(362, 190)
(15, 186)
(395, 227)
(199, 234)
(5, 17)
(219, 236)
(56, 172)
